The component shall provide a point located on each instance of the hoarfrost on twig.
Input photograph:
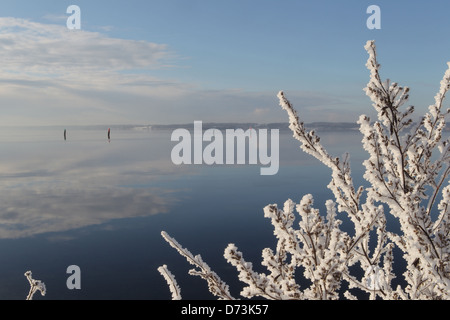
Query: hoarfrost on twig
(171, 282)
(407, 170)
(35, 285)
(215, 285)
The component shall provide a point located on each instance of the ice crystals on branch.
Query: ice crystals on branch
(35, 285)
(375, 278)
(407, 172)
(215, 285)
(172, 283)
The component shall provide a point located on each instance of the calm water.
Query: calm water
(102, 204)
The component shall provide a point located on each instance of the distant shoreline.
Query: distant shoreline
(282, 126)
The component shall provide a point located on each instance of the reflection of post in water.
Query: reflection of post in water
(64, 134)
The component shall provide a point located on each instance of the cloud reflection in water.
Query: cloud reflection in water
(52, 186)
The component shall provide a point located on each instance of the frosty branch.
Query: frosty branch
(35, 285)
(407, 170)
(215, 284)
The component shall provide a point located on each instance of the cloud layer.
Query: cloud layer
(48, 70)
(46, 50)
(50, 75)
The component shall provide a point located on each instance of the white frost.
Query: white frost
(406, 172)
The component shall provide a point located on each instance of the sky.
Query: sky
(178, 61)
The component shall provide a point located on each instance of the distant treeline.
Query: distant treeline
(282, 126)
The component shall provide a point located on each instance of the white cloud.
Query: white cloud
(52, 75)
(46, 49)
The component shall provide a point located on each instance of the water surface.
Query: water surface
(101, 204)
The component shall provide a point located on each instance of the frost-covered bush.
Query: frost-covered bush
(407, 171)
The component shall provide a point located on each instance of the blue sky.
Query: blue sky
(178, 61)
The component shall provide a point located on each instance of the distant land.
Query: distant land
(282, 126)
